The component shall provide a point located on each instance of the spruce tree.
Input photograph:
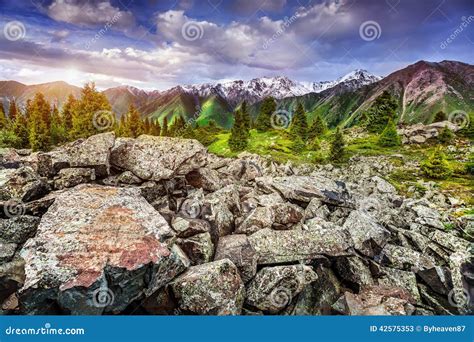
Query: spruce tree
(389, 137)
(164, 127)
(13, 111)
(314, 145)
(147, 126)
(337, 147)
(68, 113)
(238, 140)
(247, 120)
(177, 127)
(39, 135)
(264, 118)
(440, 116)
(20, 128)
(156, 128)
(57, 130)
(3, 119)
(299, 125)
(446, 135)
(134, 123)
(382, 110)
(298, 144)
(436, 166)
(318, 128)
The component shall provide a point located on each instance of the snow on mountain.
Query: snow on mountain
(278, 87)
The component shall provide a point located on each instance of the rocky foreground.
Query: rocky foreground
(160, 226)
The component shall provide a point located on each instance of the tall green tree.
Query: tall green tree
(389, 137)
(13, 110)
(177, 127)
(92, 113)
(299, 124)
(247, 120)
(39, 135)
(20, 128)
(264, 118)
(3, 118)
(382, 110)
(238, 140)
(134, 123)
(164, 127)
(318, 127)
(337, 152)
(68, 112)
(57, 129)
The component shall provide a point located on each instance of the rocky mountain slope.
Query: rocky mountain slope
(158, 225)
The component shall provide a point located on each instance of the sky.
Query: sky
(155, 44)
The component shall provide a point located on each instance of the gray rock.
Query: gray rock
(237, 249)
(354, 271)
(392, 277)
(287, 214)
(405, 258)
(293, 245)
(68, 178)
(199, 248)
(95, 240)
(213, 288)
(22, 184)
(259, 218)
(187, 227)
(92, 152)
(438, 279)
(368, 236)
(157, 158)
(205, 178)
(7, 251)
(18, 229)
(12, 277)
(273, 288)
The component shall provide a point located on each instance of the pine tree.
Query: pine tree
(264, 118)
(177, 127)
(383, 109)
(299, 125)
(92, 113)
(298, 145)
(68, 113)
(337, 147)
(147, 126)
(436, 166)
(20, 128)
(134, 123)
(318, 128)
(247, 120)
(156, 128)
(13, 111)
(446, 135)
(238, 140)
(440, 116)
(57, 130)
(389, 137)
(3, 119)
(39, 135)
(314, 145)
(164, 127)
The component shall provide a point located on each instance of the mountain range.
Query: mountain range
(421, 89)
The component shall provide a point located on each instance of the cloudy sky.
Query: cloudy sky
(156, 44)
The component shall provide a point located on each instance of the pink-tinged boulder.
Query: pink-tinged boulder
(96, 250)
(157, 158)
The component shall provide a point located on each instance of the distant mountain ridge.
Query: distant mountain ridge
(421, 89)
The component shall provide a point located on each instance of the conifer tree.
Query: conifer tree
(446, 135)
(264, 118)
(238, 140)
(57, 130)
(298, 144)
(146, 126)
(389, 137)
(440, 116)
(13, 111)
(318, 128)
(436, 166)
(383, 109)
(20, 128)
(314, 144)
(337, 147)
(39, 135)
(247, 120)
(134, 123)
(164, 127)
(177, 127)
(156, 128)
(299, 125)
(3, 119)
(68, 113)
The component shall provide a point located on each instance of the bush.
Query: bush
(389, 136)
(436, 166)
(298, 145)
(470, 165)
(446, 135)
(314, 145)
(9, 139)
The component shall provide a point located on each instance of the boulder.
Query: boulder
(68, 178)
(438, 278)
(305, 188)
(18, 229)
(157, 158)
(205, 178)
(96, 250)
(376, 301)
(392, 277)
(187, 227)
(286, 215)
(354, 271)
(12, 277)
(7, 251)
(273, 288)
(22, 184)
(405, 258)
(283, 246)
(237, 249)
(213, 288)
(93, 152)
(368, 236)
(259, 218)
(199, 248)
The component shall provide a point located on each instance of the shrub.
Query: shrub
(436, 166)
(389, 137)
(446, 135)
